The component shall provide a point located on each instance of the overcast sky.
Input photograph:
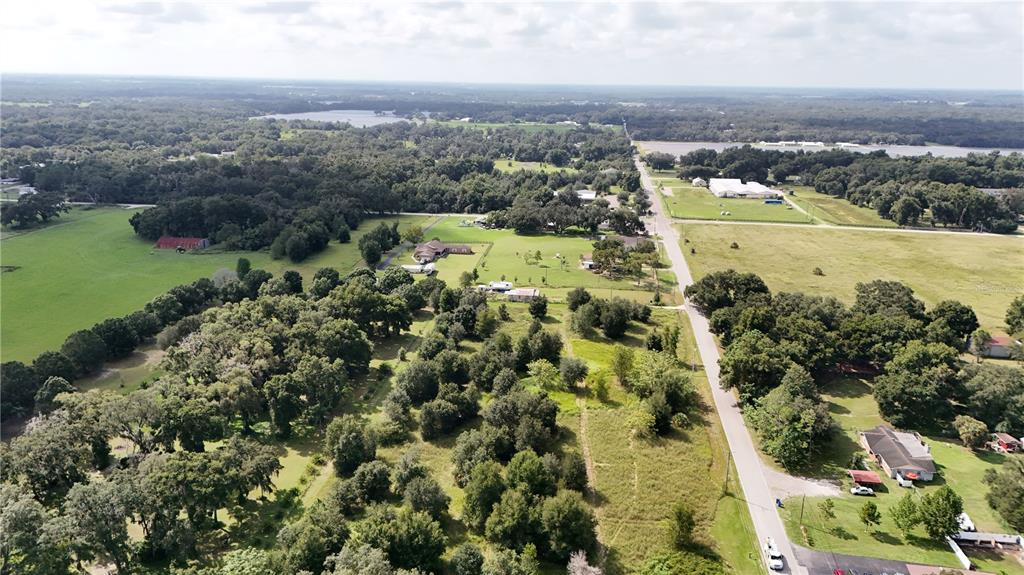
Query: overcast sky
(807, 43)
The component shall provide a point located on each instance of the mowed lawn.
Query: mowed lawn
(985, 272)
(91, 266)
(543, 167)
(503, 258)
(638, 481)
(687, 201)
(836, 211)
(854, 409)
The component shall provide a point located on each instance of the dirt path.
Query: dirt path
(784, 485)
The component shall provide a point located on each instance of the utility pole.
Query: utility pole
(728, 468)
(803, 499)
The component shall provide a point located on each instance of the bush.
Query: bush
(425, 494)
(467, 560)
(572, 370)
(539, 307)
(373, 480)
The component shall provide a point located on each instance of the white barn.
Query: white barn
(735, 188)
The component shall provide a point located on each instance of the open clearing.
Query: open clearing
(502, 255)
(836, 211)
(89, 265)
(527, 126)
(985, 272)
(543, 167)
(687, 201)
(854, 409)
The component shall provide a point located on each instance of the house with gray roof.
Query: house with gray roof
(899, 452)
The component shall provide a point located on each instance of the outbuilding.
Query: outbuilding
(862, 477)
(522, 294)
(1007, 442)
(1001, 347)
(182, 243)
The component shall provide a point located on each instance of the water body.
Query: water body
(680, 148)
(358, 118)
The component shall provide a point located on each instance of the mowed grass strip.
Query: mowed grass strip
(984, 272)
(687, 201)
(836, 211)
(89, 266)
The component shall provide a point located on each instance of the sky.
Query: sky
(974, 45)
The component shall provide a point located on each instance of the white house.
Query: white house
(586, 195)
(735, 188)
(699, 182)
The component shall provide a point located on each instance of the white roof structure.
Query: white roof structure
(499, 286)
(734, 188)
(586, 195)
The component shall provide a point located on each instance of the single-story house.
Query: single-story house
(1001, 346)
(1006, 441)
(522, 294)
(735, 188)
(899, 453)
(586, 195)
(430, 251)
(587, 262)
(861, 477)
(182, 243)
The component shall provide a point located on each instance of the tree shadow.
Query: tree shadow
(886, 538)
(840, 532)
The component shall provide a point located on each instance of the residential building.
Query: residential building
(586, 195)
(430, 251)
(1002, 347)
(899, 453)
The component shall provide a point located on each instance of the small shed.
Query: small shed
(862, 477)
(1007, 442)
(522, 294)
(1002, 347)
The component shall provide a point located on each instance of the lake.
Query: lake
(358, 118)
(680, 148)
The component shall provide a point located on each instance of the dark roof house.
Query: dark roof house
(430, 251)
(173, 242)
(899, 452)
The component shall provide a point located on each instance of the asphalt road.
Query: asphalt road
(758, 495)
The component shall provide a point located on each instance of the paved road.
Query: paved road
(748, 464)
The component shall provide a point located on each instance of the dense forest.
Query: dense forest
(979, 192)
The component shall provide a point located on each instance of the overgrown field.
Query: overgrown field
(854, 409)
(89, 266)
(984, 272)
(685, 200)
(515, 165)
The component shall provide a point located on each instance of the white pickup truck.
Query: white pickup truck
(772, 555)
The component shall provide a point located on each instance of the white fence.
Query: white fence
(962, 557)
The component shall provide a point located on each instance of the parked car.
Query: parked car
(861, 490)
(965, 523)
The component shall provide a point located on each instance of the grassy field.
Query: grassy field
(694, 202)
(853, 407)
(638, 481)
(836, 211)
(985, 272)
(515, 165)
(89, 266)
(503, 257)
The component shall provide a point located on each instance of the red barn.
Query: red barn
(176, 243)
(1007, 442)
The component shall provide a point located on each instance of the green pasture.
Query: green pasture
(505, 258)
(543, 167)
(88, 266)
(687, 201)
(854, 409)
(985, 272)
(836, 211)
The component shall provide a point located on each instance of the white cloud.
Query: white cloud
(802, 43)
